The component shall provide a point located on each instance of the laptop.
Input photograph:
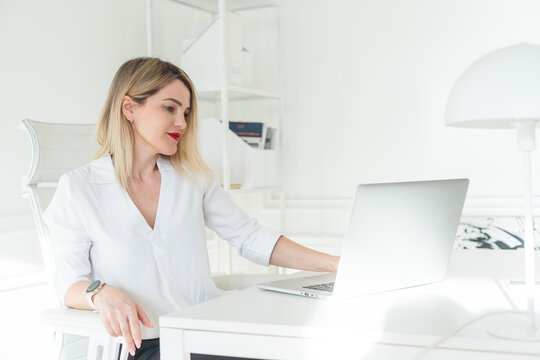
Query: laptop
(400, 235)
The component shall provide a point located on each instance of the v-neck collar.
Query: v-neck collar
(102, 172)
(159, 204)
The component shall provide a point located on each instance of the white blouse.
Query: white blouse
(97, 233)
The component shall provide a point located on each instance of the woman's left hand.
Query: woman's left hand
(287, 253)
(334, 263)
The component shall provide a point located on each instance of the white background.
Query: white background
(365, 85)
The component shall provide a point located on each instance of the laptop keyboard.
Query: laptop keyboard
(324, 287)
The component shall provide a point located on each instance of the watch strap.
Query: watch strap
(90, 295)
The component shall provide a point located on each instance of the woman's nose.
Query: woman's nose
(180, 122)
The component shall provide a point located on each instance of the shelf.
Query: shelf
(236, 93)
(212, 6)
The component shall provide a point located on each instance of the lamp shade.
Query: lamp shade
(499, 88)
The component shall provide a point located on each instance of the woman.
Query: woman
(128, 229)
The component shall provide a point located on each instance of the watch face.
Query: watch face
(93, 286)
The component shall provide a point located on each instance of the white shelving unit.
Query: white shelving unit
(224, 92)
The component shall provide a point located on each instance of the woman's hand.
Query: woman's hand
(334, 261)
(121, 315)
(287, 253)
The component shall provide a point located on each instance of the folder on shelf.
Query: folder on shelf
(258, 135)
(252, 133)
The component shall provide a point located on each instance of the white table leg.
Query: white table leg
(171, 343)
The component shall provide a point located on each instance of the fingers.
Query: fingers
(134, 327)
(116, 329)
(120, 317)
(143, 317)
(126, 333)
(109, 326)
(110, 329)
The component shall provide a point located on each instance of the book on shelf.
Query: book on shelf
(251, 132)
(256, 134)
(247, 129)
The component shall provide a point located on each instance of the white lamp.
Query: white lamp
(502, 90)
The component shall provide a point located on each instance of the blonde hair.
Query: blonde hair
(140, 78)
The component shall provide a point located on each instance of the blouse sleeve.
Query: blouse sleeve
(69, 242)
(222, 215)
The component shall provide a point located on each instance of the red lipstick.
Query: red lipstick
(175, 136)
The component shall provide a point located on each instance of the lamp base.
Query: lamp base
(514, 326)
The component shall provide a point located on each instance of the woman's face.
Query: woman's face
(160, 122)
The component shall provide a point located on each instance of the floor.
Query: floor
(28, 339)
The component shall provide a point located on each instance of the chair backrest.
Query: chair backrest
(56, 149)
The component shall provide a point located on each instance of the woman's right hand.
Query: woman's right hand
(121, 315)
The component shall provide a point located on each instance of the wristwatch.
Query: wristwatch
(92, 290)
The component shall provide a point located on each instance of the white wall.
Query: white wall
(58, 58)
(366, 87)
(365, 83)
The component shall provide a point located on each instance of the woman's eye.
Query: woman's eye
(170, 109)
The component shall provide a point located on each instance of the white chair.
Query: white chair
(56, 149)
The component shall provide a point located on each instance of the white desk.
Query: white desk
(396, 325)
